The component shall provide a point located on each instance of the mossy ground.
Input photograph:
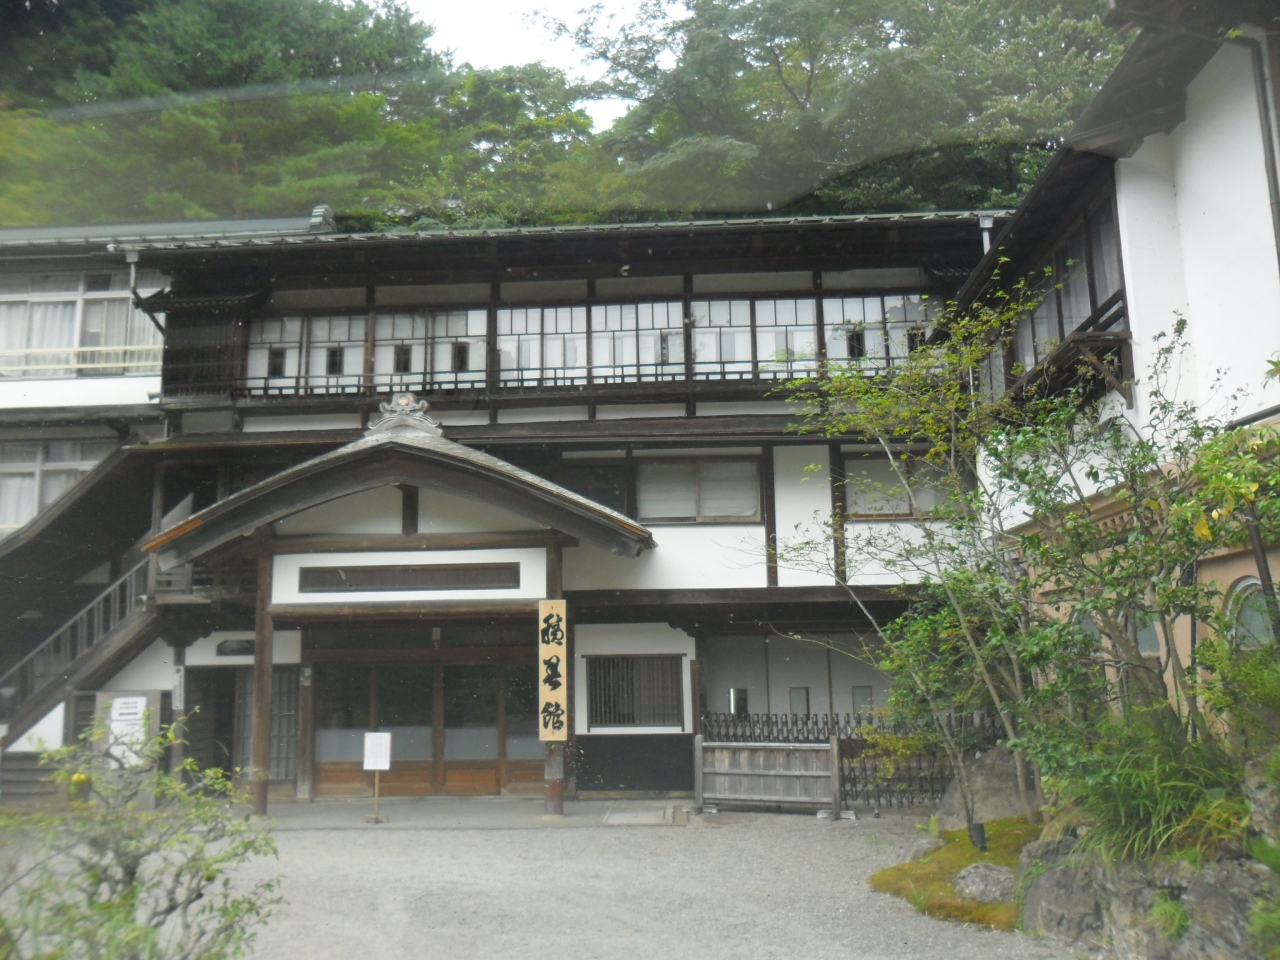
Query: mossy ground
(926, 883)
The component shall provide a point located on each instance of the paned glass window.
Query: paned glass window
(33, 474)
(874, 333)
(874, 488)
(1251, 618)
(709, 490)
(439, 348)
(335, 354)
(72, 324)
(786, 338)
(721, 339)
(637, 342)
(542, 345)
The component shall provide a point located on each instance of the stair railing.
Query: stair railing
(48, 662)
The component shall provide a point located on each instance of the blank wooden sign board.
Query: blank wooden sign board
(377, 757)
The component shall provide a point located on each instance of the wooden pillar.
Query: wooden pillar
(553, 772)
(260, 731)
(306, 728)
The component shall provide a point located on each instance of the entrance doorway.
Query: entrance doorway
(461, 722)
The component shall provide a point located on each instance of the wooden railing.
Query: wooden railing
(116, 606)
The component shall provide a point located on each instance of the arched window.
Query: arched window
(1249, 615)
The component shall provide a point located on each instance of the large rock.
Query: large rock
(1218, 899)
(986, 882)
(993, 777)
(1058, 896)
(924, 846)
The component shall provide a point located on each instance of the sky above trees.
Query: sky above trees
(147, 109)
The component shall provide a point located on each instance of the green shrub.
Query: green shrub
(1144, 797)
(1169, 915)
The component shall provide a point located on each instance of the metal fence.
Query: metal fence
(881, 765)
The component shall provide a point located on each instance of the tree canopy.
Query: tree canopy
(146, 109)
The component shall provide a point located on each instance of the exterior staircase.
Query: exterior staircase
(109, 630)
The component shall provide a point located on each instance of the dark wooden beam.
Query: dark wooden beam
(260, 732)
(359, 543)
(404, 610)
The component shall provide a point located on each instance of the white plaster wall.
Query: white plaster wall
(286, 648)
(1228, 240)
(286, 567)
(867, 541)
(152, 669)
(1197, 240)
(446, 513)
(802, 500)
(620, 639)
(377, 511)
(79, 392)
(369, 511)
(692, 557)
(45, 735)
(740, 661)
(1151, 251)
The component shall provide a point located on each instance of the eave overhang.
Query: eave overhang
(404, 455)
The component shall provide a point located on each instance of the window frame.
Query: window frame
(853, 458)
(42, 465)
(594, 710)
(1242, 591)
(698, 461)
(127, 365)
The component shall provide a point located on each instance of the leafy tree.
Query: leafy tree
(1063, 537)
(748, 102)
(140, 864)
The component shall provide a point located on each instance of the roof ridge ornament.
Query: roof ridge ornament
(404, 413)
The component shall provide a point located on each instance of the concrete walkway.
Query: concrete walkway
(491, 879)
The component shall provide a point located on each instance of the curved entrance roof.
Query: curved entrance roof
(404, 446)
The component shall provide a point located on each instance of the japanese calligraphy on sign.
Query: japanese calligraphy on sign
(553, 666)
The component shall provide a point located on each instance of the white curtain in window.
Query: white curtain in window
(875, 489)
(54, 483)
(13, 335)
(51, 337)
(728, 489)
(667, 491)
(17, 499)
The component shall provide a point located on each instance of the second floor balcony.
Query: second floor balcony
(570, 348)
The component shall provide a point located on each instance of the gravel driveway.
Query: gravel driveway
(492, 879)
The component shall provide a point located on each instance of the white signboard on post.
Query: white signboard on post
(377, 751)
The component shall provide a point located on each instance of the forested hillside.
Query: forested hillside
(146, 109)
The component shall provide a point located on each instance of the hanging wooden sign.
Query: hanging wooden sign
(553, 671)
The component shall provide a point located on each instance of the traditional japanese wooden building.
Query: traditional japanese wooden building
(340, 484)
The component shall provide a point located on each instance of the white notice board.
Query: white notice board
(377, 751)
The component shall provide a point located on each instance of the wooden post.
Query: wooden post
(835, 778)
(697, 771)
(306, 726)
(260, 731)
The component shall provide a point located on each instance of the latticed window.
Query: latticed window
(636, 691)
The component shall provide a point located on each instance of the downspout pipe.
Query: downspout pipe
(1265, 89)
(132, 257)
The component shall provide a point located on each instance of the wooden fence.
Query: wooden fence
(782, 774)
(820, 760)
